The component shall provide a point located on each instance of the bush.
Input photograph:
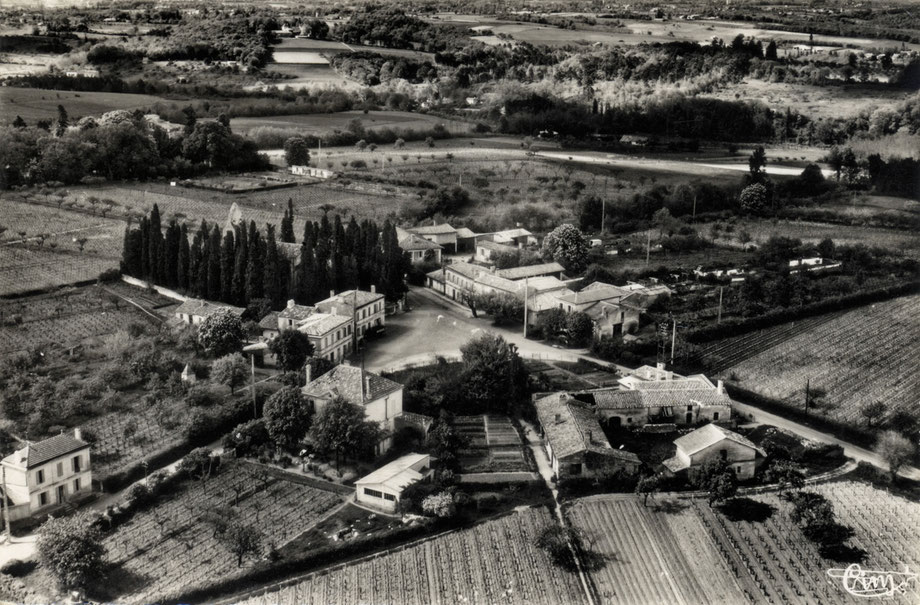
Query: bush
(17, 568)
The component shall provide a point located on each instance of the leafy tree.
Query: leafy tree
(62, 121)
(198, 464)
(552, 322)
(648, 486)
(230, 370)
(567, 246)
(717, 478)
(590, 213)
(287, 416)
(291, 348)
(296, 151)
(811, 182)
(341, 428)
(247, 438)
(579, 327)
(835, 159)
(786, 474)
(445, 443)
(71, 549)
(757, 161)
(221, 333)
(493, 377)
(504, 308)
(770, 54)
(754, 199)
(560, 543)
(440, 505)
(896, 450)
(242, 541)
(872, 411)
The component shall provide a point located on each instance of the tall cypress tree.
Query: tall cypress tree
(182, 260)
(145, 248)
(214, 264)
(197, 262)
(227, 258)
(238, 286)
(287, 224)
(171, 253)
(254, 266)
(306, 278)
(155, 243)
(272, 283)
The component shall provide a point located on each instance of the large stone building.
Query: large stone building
(331, 334)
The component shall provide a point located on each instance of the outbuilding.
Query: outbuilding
(713, 443)
(384, 487)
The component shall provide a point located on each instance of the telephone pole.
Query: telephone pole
(673, 340)
(719, 320)
(525, 307)
(604, 209)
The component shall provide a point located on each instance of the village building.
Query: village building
(466, 240)
(46, 475)
(380, 398)
(195, 310)
(575, 442)
(367, 308)
(530, 271)
(383, 488)
(330, 333)
(487, 251)
(713, 443)
(513, 237)
(417, 248)
(444, 235)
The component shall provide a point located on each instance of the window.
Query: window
(76, 485)
(76, 464)
(723, 454)
(372, 493)
(715, 415)
(389, 497)
(43, 499)
(60, 469)
(39, 476)
(689, 408)
(575, 469)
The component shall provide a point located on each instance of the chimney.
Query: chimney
(720, 387)
(670, 375)
(660, 365)
(291, 303)
(78, 434)
(333, 310)
(373, 288)
(309, 371)
(331, 293)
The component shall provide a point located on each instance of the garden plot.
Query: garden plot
(494, 445)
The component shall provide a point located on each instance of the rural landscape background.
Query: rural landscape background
(760, 162)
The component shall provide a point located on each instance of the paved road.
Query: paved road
(857, 453)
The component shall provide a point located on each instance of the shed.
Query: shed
(383, 488)
(713, 442)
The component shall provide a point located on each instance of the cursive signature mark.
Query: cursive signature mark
(871, 583)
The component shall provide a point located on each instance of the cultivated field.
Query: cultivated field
(494, 445)
(495, 562)
(35, 103)
(167, 549)
(27, 270)
(324, 123)
(859, 357)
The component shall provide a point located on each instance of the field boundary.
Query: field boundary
(301, 479)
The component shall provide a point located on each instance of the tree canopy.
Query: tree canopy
(71, 549)
(287, 416)
(567, 246)
(221, 333)
(493, 377)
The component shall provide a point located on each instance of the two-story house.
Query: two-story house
(46, 474)
(331, 333)
(367, 308)
(444, 235)
(380, 398)
(417, 248)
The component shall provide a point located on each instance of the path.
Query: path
(853, 451)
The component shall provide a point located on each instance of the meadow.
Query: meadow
(37, 104)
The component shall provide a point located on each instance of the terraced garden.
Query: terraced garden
(495, 562)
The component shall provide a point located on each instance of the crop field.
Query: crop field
(309, 76)
(37, 103)
(859, 357)
(494, 445)
(321, 123)
(167, 548)
(652, 557)
(495, 562)
(62, 318)
(25, 270)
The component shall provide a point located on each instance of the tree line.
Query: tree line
(244, 266)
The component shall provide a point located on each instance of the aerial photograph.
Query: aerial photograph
(459, 302)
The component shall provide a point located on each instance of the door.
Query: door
(60, 494)
(689, 417)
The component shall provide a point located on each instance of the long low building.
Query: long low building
(384, 487)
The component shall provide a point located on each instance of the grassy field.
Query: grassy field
(857, 358)
(36, 103)
(495, 562)
(323, 123)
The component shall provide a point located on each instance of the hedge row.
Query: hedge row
(736, 327)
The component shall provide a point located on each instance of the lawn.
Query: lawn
(35, 103)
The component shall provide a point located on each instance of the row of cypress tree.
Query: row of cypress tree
(241, 264)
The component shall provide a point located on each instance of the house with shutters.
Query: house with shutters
(487, 250)
(443, 235)
(575, 441)
(380, 398)
(417, 248)
(331, 333)
(367, 308)
(45, 475)
(713, 443)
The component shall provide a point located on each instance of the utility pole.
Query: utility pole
(673, 340)
(525, 307)
(354, 322)
(255, 408)
(604, 209)
(719, 320)
(694, 204)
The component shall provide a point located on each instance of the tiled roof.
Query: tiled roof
(467, 270)
(204, 308)
(593, 294)
(345, 300)
(348, 382)
(659, 395)
(436, 275)
(322, 323)
(545, 283)
(40, 452)
(530, 271)
(495, 246)
(544, 301)
(270, 321)
(576, 430)
(441, 229)
(465, 233)
(397, 474)
(296, 312)
(493, 281)
(416, 242)
(615, 399)
(519, 232)
(710, 435)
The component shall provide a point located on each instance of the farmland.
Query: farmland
(494, 445)
(492, 562)
(167, 549)
(325, 123)
(857, 358)
(37, 104)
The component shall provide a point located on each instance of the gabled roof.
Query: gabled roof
(270, 321)
(436, 275)
(571, 427)
(417, 242)
(596, 292)
(486, 278)
(495, 246)
(40, 452)
(346, 300)
(709, 435)
(318, 324)
(510, 233)
(544, 283)
(296, 312)
(397, 474)
(351, 383)
(530, 271)
(205, 308)
(465, 233)
(467, 270)
(442, 229)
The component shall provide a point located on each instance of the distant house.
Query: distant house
(529, 271)
(444, 235)
(466, 240)
(383, 488)
(613, 309)
(417, 248)
(195, 310)
(487, 250)
(635, 140)
(330, 332)
(516, 237)
(47, 474)
(380, 398)
(367, 308)
(713, 442)
(575, 442)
